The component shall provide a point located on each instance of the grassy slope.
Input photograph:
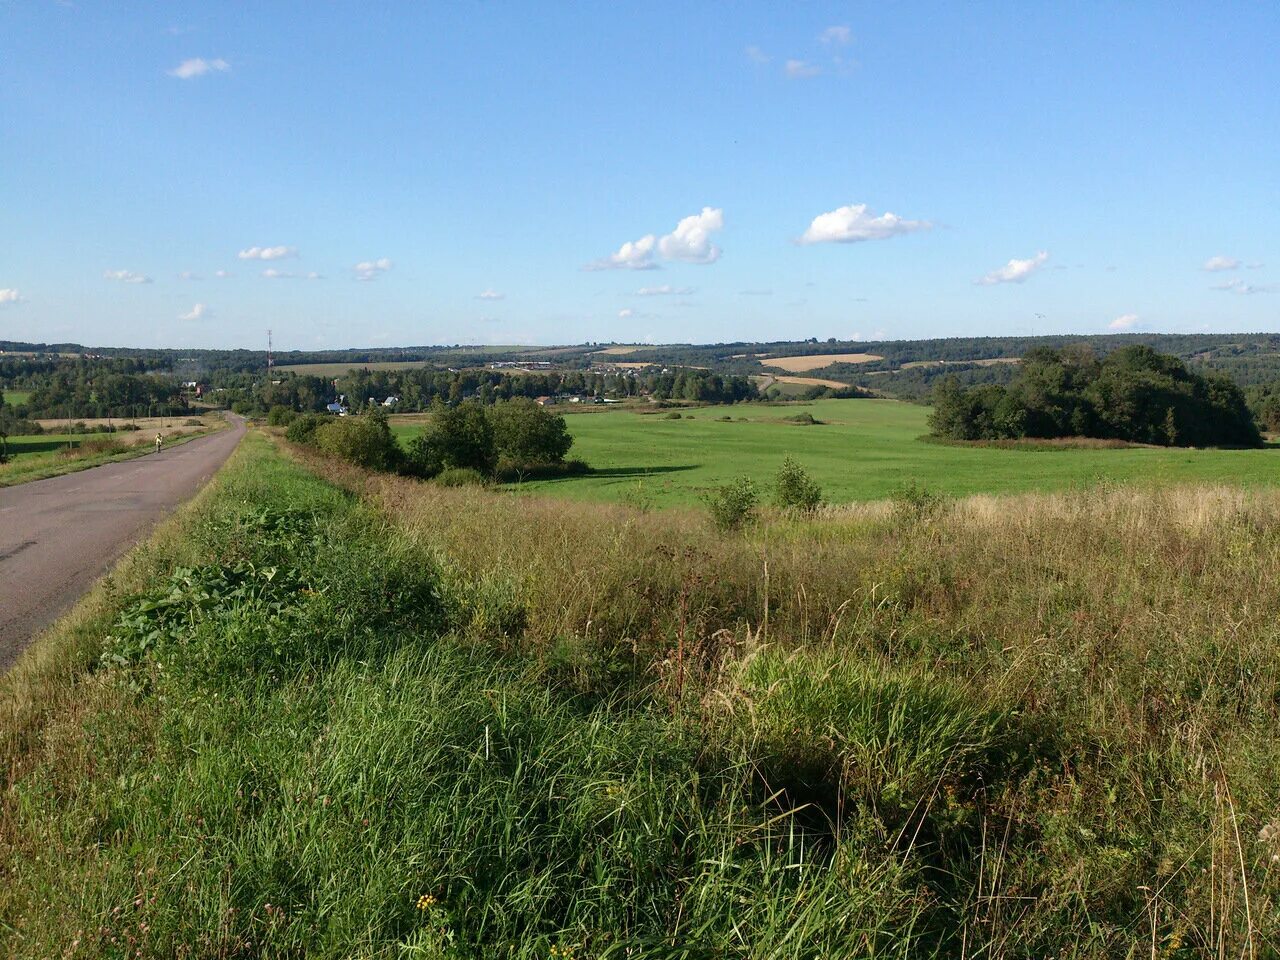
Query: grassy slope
(1042, 728)
(865, 450)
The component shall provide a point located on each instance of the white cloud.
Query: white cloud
(222, 274)
(267, 253)
(372, 269)
(1015, 271)
(626, 313)
(757, 56)
(690, 242)
(1254, 265)
(490, 295)
(664, 290)
(271, 273)
(188, 275)
(1126, 321)
(9, 295)
(691, 239)
(126, 276)
(799, 69)
(198, 312)
(855, 223)
(838, 35)
(632, 255)
(198, 67)
(1239, 286)
(1218, 263)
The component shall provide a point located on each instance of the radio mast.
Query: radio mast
(270, 359)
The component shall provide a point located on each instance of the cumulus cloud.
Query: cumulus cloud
(632, 255)
(198, 67)
(626, 313)
(1239, 286)
(126, 276)
(222, 274)
(690, 241)
(855, 223)
(757, 56)
(665, 290)
(490, 295)
(837, 35)
(1126, 321)
(372, 269)
(799, 69)
(188, 275)
(9, 295)
(267, 253)
(1015, 271)
(271, 273)
(198, 312)
(1219, 263)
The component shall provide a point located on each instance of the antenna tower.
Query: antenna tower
(271, 362)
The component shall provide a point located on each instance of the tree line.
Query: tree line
(1133, 394)
(509, 440)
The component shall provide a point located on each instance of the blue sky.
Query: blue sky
(466, 172)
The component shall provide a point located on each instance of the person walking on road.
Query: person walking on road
(159, 441)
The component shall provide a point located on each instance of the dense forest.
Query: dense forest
(1134, 394)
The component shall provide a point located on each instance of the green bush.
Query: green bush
(460, 436)
(461, 477)
(913, 502)
(365, 441)
(673, 415)
(302, 429)
(526, 433)
(280, 416)
(794, 489)
(733, 505)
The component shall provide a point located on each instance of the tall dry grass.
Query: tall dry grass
(1132, 632)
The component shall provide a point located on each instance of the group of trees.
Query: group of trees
(1134, 394)
(419, 388)
(86, 387)
(506, 441)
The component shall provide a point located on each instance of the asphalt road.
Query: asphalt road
(58, 536)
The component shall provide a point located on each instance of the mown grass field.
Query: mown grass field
(15, 397)
(863, 450)
(332, 714)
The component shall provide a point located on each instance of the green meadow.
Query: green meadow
(861, 450)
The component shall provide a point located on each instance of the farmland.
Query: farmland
(861, 450)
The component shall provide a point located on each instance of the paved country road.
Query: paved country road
(58, 536)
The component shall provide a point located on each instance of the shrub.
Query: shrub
(795, 489)
(460, 436)
(803, 419)
(193, 422)
(280, 416)
(461, 477)
(733, 505)
(526, 433)
(302, 430)
(365, 441)
(914, 502)
(673, 415)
